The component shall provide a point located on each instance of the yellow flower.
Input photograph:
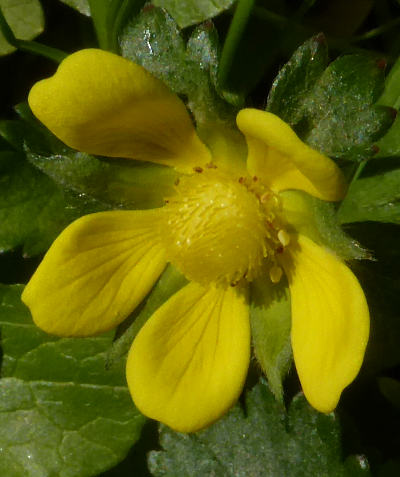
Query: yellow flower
(226, 225)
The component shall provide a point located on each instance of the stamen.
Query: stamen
(222, 230)
(283, 237)
(275, 274)
(265, 197)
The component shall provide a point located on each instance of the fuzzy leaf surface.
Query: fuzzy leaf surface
(260, 441)
(33, 210)
(333, 108)
(296, 80)
(61, 412)
(153, 40)
(343, 119)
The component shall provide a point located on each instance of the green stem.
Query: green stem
(356, 175)
(29, 46)
(358, 171)
(119, 17)
(42, 50)
(235, 33)
(376, 31)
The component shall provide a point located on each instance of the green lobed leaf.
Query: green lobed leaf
(375, 198)
(153, 40)
(122, 184)
(335, 109)
(296, 80)
(25, 17)
(342, 117)
(33, 210)
(190, 12)
(260, 440)
(270, 319)
(61, 412)
(111, 182)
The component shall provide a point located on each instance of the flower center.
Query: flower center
(220, 229)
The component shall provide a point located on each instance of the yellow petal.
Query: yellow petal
(330, 322)
(188, 363)
(283, 161)
(101, 103)
(95, 273)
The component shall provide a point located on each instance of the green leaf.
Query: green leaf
(111, 182)
(296, 80)
(33, 210)
(335, 109)
(342, 119)
(317, 219)
(260, 440)
(391, 93)
(25, 17)
(61, 412)
(82, 6)
(118, 183)
(375, 198)
(153, 40)
(190, 12)
(389, 144)
(270, 319)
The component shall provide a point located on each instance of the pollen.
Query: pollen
(222, 229)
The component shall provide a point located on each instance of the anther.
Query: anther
(265, 197)
(241, 180)
(283, 237)
(275, 274)
(198, 169)
(255, 178)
